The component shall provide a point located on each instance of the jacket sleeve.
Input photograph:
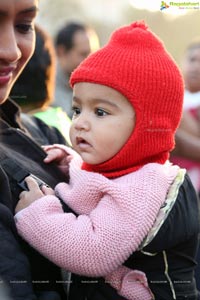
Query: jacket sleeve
(96, 243)
(14, 266)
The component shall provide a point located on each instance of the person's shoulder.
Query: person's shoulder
(41, 132)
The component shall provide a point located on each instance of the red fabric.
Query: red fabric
(135, 63)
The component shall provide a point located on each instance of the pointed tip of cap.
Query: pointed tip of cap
(139, 24)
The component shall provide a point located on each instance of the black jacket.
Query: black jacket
(27, 273)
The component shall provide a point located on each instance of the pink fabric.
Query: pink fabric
(115, 216)
(131, 284)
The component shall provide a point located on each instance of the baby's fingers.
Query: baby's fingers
(52, 155)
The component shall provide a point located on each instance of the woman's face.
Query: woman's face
(17, 40)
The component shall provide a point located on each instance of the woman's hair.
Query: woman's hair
(36, 83)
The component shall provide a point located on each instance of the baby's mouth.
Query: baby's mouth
(82, 143)
(80, 140)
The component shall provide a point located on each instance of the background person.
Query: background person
(187, 150)
(73, 42)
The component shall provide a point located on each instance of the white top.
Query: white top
(191, 100)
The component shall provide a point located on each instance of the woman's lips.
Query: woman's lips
(6, 74)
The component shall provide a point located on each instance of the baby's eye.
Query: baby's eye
(76, 111)
(24, 28)
(100, 112)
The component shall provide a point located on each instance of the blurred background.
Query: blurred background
(175, 25)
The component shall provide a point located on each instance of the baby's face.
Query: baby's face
(103, 121)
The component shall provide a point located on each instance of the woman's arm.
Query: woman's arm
(187, 138)
(187, 145)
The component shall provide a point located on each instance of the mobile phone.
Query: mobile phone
(24, 186)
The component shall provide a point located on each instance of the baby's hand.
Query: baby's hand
(57, 155)
(34, 193)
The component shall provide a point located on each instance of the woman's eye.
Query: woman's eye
(24, 28)
(76, 111)
(100, 112)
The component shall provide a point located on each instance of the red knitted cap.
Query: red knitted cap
(135, 63)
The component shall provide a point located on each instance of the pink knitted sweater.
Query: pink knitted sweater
(114, 218)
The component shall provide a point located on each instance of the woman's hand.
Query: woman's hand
(34, 193)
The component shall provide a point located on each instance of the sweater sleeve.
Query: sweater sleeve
(96, 243)
(131, 284)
